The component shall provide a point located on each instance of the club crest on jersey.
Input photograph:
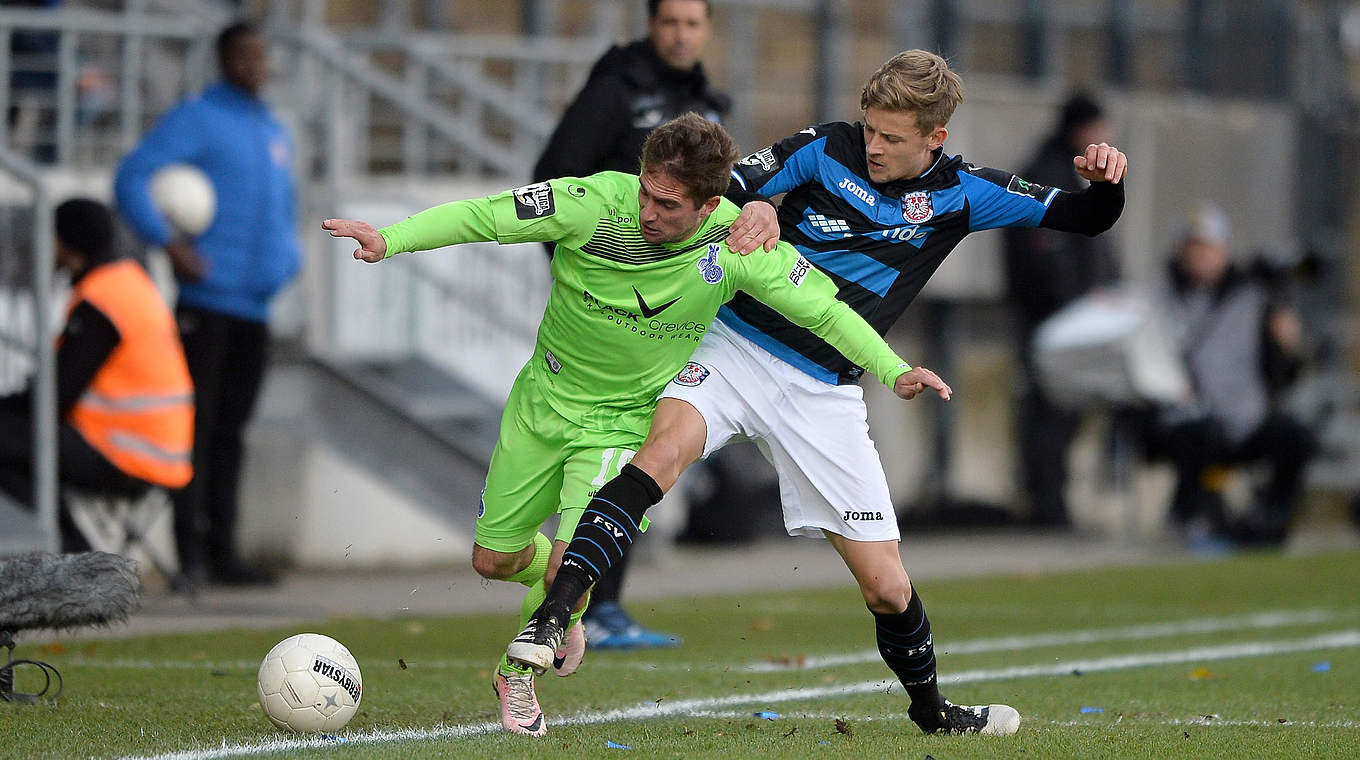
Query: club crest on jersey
(693, 374)
(713, 272)
(533, 201)
(916, 207)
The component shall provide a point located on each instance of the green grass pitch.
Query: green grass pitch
(1253, 656)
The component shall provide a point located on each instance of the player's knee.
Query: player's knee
(492, 564)
(886, 595)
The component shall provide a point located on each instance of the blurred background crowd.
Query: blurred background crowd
(1190, 375)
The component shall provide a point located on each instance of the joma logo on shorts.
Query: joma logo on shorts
(849, 186)
(853, 515)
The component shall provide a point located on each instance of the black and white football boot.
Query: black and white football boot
(536, 646)
(993, 720)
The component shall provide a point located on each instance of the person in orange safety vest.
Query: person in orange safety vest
(125, 400)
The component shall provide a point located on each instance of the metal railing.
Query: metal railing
(27, 336)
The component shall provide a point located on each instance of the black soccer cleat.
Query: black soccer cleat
(993, 720)
(536, 646)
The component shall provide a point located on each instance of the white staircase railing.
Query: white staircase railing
(27, 340)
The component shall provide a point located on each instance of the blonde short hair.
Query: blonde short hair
(918, 82)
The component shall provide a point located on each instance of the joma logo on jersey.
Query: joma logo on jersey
(849, 186)
(853, 515)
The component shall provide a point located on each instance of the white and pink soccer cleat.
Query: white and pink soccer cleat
(568, 657)
(520, 713)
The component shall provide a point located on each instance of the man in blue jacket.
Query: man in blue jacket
(227, 277)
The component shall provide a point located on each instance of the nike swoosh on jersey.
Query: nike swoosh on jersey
(648, 311)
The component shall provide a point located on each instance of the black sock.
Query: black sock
(605, 532)
(905, 643)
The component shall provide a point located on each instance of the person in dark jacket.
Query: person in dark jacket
(124, 397)
(1046, 270)
(631, 90)
(1242, 342)
(227, 277)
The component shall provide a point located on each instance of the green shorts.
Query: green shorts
(544, 464)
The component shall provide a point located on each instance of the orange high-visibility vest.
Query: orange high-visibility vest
(138, 411)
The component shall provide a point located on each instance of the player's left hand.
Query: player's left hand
(1101, 163)
(758, 225)
(917, 380)
(372, 247)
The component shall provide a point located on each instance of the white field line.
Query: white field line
(1334, 640)
(1256, 621)
(1100, 720)
(1196, 626)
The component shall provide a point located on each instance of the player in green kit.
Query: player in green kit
(640, 270)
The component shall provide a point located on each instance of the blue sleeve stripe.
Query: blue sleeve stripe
(799, 168)
(740, 180)
(993, 206)
(864, 271)
(751, 333)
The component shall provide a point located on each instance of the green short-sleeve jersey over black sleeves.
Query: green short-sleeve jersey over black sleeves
(625, 314)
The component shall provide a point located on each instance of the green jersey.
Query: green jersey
(625, 314)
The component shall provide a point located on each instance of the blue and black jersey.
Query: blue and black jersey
(880, 243)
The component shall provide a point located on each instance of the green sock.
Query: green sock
(511, 669)
(537, 593)
(538, 566)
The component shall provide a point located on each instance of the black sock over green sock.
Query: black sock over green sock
(605, 532)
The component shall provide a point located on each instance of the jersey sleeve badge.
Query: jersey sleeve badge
(1033, 190)
(693, 374)
(534, 201)
(763, 158)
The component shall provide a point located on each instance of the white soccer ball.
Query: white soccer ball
(310, 683)
(184, 195)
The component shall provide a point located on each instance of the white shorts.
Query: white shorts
(815, 434)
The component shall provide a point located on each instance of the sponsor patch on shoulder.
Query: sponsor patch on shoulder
(799, 271)
(1023, 187)
(534, 201)
(693, 374)
(763, 158)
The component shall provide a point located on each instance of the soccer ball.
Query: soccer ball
(185, 196)
(309, 683)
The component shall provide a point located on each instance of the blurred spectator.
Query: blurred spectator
(32, 83)
(631, 90)
(1046, 270)
(227, 277)
(1242, 344)
(124, 397)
